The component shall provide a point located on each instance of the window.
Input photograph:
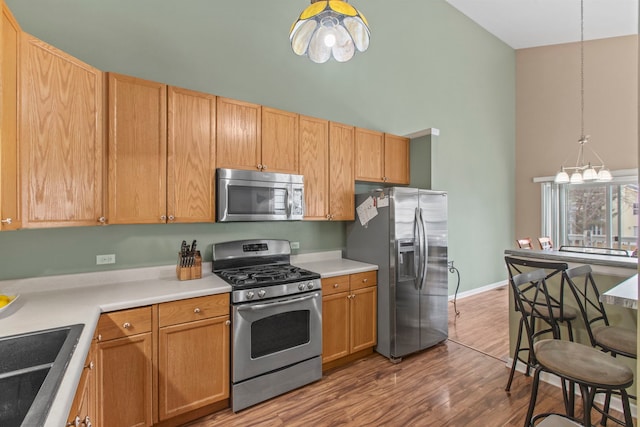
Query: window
(598, 214)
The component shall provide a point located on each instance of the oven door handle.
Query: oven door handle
(276, 304)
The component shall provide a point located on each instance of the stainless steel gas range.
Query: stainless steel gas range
(276, 339)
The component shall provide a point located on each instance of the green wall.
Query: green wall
(427, 66)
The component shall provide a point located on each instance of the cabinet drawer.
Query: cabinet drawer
(364, 280)
(188, 310)
(123, 323)
(334, 285)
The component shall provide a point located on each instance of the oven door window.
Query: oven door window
(256, 200)
(279, 332)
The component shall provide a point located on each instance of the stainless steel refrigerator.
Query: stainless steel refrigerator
(407, 239)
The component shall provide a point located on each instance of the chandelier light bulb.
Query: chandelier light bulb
(329, 40)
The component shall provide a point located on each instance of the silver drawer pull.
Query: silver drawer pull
(335, 285)
(6, 221)
(365, 280)
(196, 310)
(126, 325)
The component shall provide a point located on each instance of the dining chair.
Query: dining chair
(535, 303)
(545, 243)
(524, 243)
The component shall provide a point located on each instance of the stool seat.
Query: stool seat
(617, 339)
(557, 421)
(568, 312)
(582, 363)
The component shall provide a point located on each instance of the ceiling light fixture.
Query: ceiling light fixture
(582, 172)
(329, 28)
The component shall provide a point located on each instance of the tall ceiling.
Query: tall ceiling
(530, 23)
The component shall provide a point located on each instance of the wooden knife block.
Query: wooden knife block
(191, 272)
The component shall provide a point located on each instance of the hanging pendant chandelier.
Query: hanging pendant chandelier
(583, 172)
(329, 29)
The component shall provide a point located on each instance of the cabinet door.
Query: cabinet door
(341, 181)
(396, 159)
(238, 131)
(314, 165)
(191, 156)
(279, 152)
(83, 406)
(61, 137)
(124, 381)
(9, 167)
(137, 150)
(363, 319)
(193, 365)
(335, 326)
(369, 155)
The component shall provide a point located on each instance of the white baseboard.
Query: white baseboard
(616, 403)
(479, 290)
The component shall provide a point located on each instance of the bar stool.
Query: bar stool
(533, 301)
(592, 370)
(611, 339)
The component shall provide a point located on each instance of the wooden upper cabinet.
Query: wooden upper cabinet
(10, 217)
(61, 137)
(238, 133)
(396, 159)
(369, 155)
(341, 176)
(137, 150)
(381, 157)
(191, 156)
(314, 165)
(279, 152)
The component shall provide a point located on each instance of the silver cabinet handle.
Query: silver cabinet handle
(171, 217)
(264, 167)
(90, 366)
(163, 217)
(365, 280)
(75, 422)
(87, 421)
(227, 323)
(126, 325)
(259, 166)
(6, 221)
(196, 310)
(102, 220)
(335, 285)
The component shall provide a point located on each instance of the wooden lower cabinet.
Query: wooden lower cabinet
(193, 357)
(124, 381)
(156, 364)
(349, 317)
(83, 408)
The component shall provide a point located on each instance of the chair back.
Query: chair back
(535, 304)
(517, 266)
(545, 243)
(524, 243)
(584, 289)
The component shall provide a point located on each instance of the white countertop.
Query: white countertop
(49, 302)
(624, 294)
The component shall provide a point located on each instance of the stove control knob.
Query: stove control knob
(262, 293)
(301, 287)
(310, 285)
(250, 295)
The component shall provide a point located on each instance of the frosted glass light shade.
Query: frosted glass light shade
(576, 178)
(330, 29)
(589, 174)
(562, 178)
(604, 175)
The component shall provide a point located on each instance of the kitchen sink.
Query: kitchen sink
(31, 368)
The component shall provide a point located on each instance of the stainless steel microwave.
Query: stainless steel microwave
(245, 195)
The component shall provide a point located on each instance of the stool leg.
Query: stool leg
(587, 402)
(605, 408)
(515, 356)
(626, 408)
(534, 397)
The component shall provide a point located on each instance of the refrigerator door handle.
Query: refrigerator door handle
(417, 238)
(424, 251)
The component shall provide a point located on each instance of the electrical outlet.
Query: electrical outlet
(106, 259)
(295, 245)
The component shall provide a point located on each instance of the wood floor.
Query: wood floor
(457, 383)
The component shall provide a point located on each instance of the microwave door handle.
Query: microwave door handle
(289, 202)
